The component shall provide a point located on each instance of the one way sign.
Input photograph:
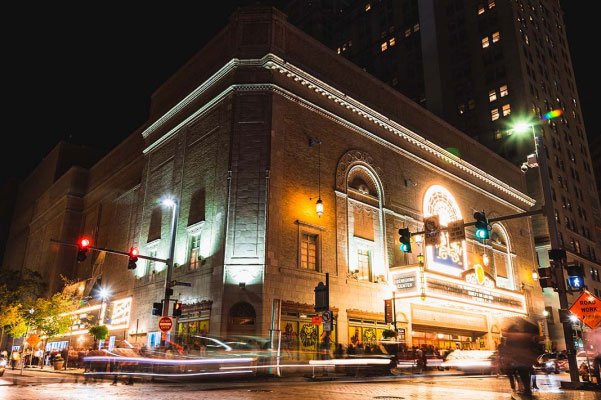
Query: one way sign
(588, 309)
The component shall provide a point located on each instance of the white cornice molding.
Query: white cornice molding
(273, 62)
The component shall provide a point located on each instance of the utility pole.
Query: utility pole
(556, 248)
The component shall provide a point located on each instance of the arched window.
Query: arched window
(366, 254)
(502, 264)
(447, 258)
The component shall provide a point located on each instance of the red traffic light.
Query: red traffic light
(133, 257)
(134, 252)
(84, 246)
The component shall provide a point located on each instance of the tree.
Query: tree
(12, 321)
(20, 287)
(100, 332)
(51, 317)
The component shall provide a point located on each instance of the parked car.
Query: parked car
(3, 362)
(552, 362)
(581, 357)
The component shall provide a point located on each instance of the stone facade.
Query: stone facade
(246, 144)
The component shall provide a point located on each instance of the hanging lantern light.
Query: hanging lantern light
(319, 207)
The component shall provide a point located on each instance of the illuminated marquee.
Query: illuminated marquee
(477, 289)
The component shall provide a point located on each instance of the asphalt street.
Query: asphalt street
(36, 385)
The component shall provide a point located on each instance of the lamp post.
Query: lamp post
(170, 202)
(545, 181)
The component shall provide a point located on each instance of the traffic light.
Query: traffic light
(576, 276)
(546, 278)
(481, 225)
(157, 309)
(405, 239)
(177, 309)
(83, 245)
(133, 257)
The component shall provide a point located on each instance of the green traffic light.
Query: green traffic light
(405, 247)
(482, 233)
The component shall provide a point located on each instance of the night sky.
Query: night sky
(86, 75)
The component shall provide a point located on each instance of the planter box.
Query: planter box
(59, 365)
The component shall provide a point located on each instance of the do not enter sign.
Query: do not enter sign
(165, 324)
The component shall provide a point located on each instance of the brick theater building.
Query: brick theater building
(255, 130)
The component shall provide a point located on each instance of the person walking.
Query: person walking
(521, 342)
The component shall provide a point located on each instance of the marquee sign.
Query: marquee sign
(476, 288)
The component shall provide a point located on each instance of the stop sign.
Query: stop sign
(165, 324)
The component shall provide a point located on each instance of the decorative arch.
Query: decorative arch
(242, 314)
(351, 159)
(361, 207)
(502, 258)
(447, 258)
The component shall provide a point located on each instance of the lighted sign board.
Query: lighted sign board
(476, 288)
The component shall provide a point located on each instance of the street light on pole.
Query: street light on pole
(540, 161)
(172, 203)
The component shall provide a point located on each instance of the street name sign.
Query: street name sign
(432, 230)
(456, 231)
(588, 309)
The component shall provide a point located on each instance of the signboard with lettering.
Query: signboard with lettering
(316, 320)
(588, 309)
(388, 311)
(456, 231)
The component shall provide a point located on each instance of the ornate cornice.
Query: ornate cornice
(275, 63)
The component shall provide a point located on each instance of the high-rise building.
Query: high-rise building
(482, 66)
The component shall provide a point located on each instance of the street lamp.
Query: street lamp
(540, 161)
(172, 203)
(103, 294)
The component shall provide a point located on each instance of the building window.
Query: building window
(491, 4)
(415, 27)
(461, 108)
(498, 134)
(363, 265)
(496, 37)
(384, 46)
(480, 10)
(194, 252)
(492, 95)
(391, 42)
(494, 114)
(506, 110)
(367, 6)
(503, 91)
(407, 32)
(485, 42)
(308, 256)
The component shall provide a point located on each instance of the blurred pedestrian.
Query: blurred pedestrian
(521, 343)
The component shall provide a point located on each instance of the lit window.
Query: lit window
(526, 39)
(367, 7)
(485, 42)
(392, 42)
(194, 251)
(494, 114)
(415, 27)
(498, 135)
(503, 91)
(384, 46)
(506, 110)
(364, 265)
(308, 249)
(496, 37)
(480, 10)
(492, 95)
(338, 50)
(461, 108)
(471, 104)
(408, 32)
(491, 4)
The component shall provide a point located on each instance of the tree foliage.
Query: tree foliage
(20, 287)
(12, 320)
(51, 316)
(100, 332)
